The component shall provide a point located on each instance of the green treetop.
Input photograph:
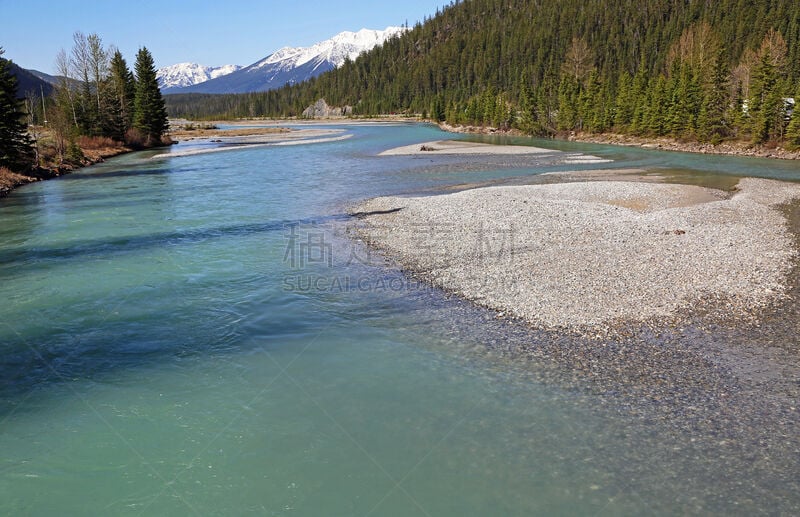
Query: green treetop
(149, 113)
(15, 144)
(121, 92)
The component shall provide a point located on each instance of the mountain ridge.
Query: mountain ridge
(188, 74)
(291, 65)
(32, 81)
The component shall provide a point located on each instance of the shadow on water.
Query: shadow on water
(121, 245)
(98, 352)
(100, 343)
(128, 172)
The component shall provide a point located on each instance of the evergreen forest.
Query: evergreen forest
(688, 69)
(98, 103)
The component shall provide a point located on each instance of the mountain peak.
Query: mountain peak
(335, 50)
(293, 64)
(189, 74)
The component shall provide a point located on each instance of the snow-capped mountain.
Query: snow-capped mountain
(293, 64)
(335, 50)
(188, 74)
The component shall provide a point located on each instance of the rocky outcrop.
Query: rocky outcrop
(320, 109)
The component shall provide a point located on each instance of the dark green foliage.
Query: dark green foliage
(149, 113)
(793, 130)
(16, 150)
(120, 92)
(655, 67)
(712, 121)
(762, 102)
(626, 103)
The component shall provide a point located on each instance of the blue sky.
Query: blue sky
(210, 32)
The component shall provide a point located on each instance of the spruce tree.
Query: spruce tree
(712, 125)
(16, 151)
(625, 103)
(121, 91)
(659, 103)
(149, 113)
(569, 92)
(763, 100)
(793, 131)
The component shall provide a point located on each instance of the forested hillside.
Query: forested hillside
(28, 83)
(684, 68)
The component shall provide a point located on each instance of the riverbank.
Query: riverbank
(588, 256)
(98, 150)
(189, 132)
(91, 155)
(731, 148)
(11, 180)
(224, 140)
(671, 144)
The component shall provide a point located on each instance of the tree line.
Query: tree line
(685, 68)
(97, 97)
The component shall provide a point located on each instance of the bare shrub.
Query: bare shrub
(135, 139)
(97, 142)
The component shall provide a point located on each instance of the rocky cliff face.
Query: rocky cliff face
(320, 109)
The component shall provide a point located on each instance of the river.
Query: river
(199, 335)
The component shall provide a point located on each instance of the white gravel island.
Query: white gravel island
(587, 254)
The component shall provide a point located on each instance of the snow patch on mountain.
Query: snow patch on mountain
(335, 50)
(188, 74)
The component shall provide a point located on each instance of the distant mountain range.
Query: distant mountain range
(285, 66)
(189, 74)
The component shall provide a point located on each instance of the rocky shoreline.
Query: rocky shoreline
(730, 148)
(670, 144)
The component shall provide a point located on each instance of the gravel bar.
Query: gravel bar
(592, 254)
(461, 147)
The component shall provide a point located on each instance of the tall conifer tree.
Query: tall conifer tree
(150, 115)
(16, 152)
(793, 131)
(122, 91)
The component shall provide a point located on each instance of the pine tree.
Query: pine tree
(121, 93)
(16, 150)
(659, 103)
(711, 123)
(763, 100)
(149, 113)
(625, 103)
(591, 104)
(569, 93)
(641, 99)
(437, 109)
(793, 131)
(766, 107)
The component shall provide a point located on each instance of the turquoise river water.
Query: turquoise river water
(197, 335)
